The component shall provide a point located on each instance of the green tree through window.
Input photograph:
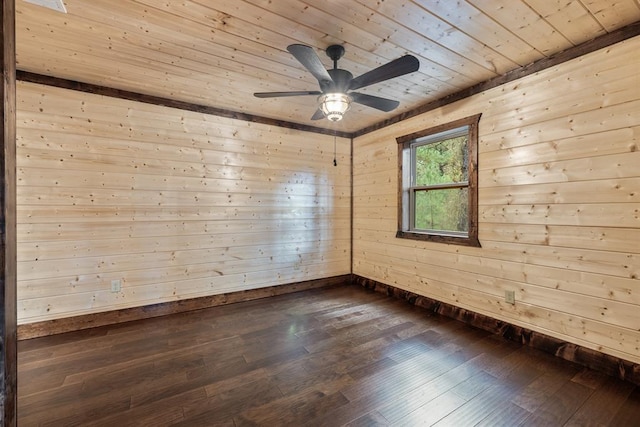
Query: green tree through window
(442, 162)
(438, 193)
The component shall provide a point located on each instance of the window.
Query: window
(438, 185)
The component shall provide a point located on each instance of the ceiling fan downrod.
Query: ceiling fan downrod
(335, 52)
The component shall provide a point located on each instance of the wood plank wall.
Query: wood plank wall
(174, 204)
(559, 195)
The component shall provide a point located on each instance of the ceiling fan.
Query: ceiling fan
(335, 94)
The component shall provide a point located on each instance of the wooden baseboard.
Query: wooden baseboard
(610, 365)
(69, 324)
(583, 356)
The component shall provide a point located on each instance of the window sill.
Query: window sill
(439, 238)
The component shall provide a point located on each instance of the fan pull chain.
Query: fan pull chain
(335, 162)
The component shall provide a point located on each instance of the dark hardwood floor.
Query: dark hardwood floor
(326, 357)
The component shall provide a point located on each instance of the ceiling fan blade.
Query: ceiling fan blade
(398, 67)
(294, 93)
(317, 115)
(382, 104)
(309, 58)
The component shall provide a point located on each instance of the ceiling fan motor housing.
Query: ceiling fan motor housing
(340, 84)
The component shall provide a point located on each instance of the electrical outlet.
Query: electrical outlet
(116, 285)
(510, 297)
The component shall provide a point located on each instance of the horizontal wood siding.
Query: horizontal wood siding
(559, 196)
(175, 204)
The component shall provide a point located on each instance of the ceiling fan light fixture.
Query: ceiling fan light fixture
(334, 105)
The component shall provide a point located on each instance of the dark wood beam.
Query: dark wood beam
(8, 341)
(166, 102)
(624, 33)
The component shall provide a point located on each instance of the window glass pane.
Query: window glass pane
(442, 210)
(442, 162)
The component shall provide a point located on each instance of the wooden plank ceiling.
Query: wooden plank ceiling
(218, 53)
